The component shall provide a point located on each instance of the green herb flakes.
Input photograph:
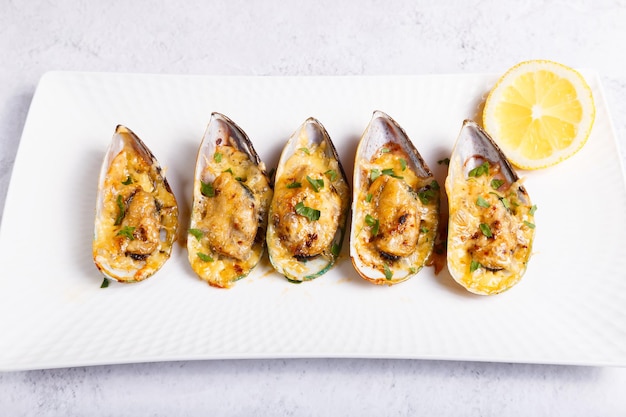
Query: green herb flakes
(197, 233)
(331, 174)
(122, 207)
(308, 212)
(482, 169)
(496, 183)
(474, 266)
(426, 195)
(368, 198)
(388, 272)
(533, 209)
(127, 231)
(294, 184)
(129, 180)
(484, 227)
(207, 190)
(402, 164)
(316, 184)
(204, 257)
(306, 151)
(374, 173)
(217, 157)
(481, 202)
(334, 249)
(373, 223)
(529, 224)
(105, 283)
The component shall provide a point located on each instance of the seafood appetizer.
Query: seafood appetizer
(491, 225)
(136, 211)
(307, 219)
(395, 205)
(231, 195)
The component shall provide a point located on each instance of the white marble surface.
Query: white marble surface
(303, 38)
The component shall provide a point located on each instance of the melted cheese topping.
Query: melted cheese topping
(230, 226)
(488, 264)
(300, 247)
(395, 218)
(149, 215)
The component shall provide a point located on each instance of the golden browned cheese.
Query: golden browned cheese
(231, 219)
(228, 225)
(397, 213)
(301, 236)
(396, 216)
(310, 180)
(490, 232)
(138, 219)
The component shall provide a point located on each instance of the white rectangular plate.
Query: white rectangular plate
(570, 308)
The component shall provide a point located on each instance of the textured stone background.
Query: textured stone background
(237, 37)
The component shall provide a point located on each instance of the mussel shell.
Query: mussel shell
(227, 228)
(119, 183)
(508, 204)
(384, 135)
(302, 266)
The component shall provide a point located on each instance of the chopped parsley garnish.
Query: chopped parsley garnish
(388, 273)
(496, 183)
(505, 203)
(316, 184)
(207, 190)
(217, 157)
(204, 257)
(533, 209)
(434, 185)
(306, 151)
(373, 223)
(485, 229)
(334, 249)
(374, 173)
(122, 207)
(474, 266)
(230, 171)
(294, 184)
(412, 270)
(444, 161)
(308, 212)
(529, 224)
(331, 174)
(389, 171)
(197, 233)
(482, 169)
(384, 150)
(423, 230)
(127, 231)
(481, 202)
(402, 164)
(368, 197)
(129, 180)
(426, 195)
(105, 283)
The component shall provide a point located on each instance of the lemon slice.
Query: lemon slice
(540, 113)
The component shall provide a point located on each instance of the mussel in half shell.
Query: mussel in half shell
(491, 225)
(395, 205)
(136, 211)
(231, 195)
(307, 220)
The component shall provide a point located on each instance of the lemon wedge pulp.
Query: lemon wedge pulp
(540, 113)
